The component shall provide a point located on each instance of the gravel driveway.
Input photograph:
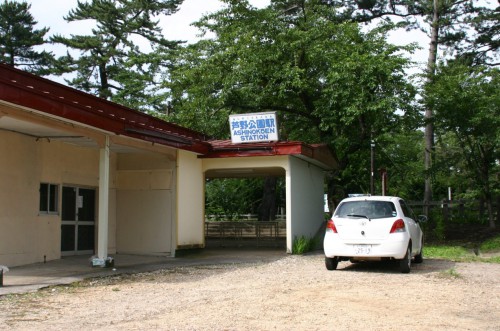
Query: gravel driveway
(289, 293)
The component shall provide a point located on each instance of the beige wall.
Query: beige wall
(156, 201)
(190, 201)
(141, 197)
(26, 236)
(144, 203)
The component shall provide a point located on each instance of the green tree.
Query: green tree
(110, 63)
(485, 45)
(467, 103)
(228, 198)
(448, 23)
(18, 38)
(401, 154)
(328, 82)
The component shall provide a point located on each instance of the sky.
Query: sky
(50, 13)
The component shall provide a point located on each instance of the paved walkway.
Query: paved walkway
(67, 270)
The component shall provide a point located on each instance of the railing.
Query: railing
(259, 233)
(450, 210)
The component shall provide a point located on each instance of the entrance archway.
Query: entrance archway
(245, 207)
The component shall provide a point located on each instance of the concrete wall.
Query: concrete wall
(304, 208)
(144, 203)
(190, 201)
(26, 235)
(246, 162)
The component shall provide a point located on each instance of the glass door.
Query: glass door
(78, 220)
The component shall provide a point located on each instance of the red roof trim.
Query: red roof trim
(319, 154)
(27, 90)
(40, 94)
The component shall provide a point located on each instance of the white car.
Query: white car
(372, 228)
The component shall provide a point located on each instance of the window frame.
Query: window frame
(50, 192)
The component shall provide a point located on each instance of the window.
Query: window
(49, 197)
(406, 210)
(370, 209)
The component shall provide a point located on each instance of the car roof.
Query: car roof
(372, 198)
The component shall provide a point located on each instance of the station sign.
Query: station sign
(251, 128)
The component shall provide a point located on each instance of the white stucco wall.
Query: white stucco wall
(304, 191)
(246, 162)
(190, 201)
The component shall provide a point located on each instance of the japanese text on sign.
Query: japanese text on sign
(256, 127)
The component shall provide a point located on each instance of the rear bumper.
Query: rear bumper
(395, 247)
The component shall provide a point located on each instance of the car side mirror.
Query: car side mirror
(421, 218)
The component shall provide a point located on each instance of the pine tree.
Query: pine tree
(18, 38)
(110, 63)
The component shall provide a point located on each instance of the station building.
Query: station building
(82, 175)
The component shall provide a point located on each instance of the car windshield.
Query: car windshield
(368, 209)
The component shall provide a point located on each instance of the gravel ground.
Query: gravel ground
(291, 293)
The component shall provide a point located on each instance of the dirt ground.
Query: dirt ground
(290, 293)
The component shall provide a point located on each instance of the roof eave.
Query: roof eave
(319, 155)
(54, 99)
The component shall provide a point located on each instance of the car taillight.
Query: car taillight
(331, 226)
(398, 226)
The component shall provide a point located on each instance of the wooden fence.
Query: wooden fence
(471, 211)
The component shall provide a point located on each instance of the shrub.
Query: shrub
(303, 245)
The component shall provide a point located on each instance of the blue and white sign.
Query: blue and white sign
(250, 128)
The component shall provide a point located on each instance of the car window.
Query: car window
(406, 210)
(369, 209)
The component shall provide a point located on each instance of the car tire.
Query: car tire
(419, 258)
(331, 263)
(405, 263)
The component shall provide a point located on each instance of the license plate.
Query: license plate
(362, 249)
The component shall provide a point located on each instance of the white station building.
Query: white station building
(81, 175)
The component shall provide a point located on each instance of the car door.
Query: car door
(413, 227)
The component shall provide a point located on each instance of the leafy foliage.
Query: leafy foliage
(110, 63)
(466, 101)
(303, 245)
(228, 198)
(328, 82)
(18, 38)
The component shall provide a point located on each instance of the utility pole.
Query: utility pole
(372, 165)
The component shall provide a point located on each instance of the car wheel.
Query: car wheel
(405, 263)
(419, 258)
(331, 263)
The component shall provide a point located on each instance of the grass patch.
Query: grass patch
(465, 252)
(491, 245)
(303, 245)
(452, 253)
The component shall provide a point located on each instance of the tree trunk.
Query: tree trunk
(429, 126)
(267, 208)
(104, 91)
